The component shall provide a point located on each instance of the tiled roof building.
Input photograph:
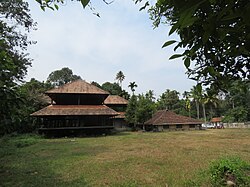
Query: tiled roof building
(168, 120)
(119, 104)
(76, 107)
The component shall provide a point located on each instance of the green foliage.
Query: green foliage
(55, 162)
(112, 88)
(85, 3)
(96, 84)
(145, 107)
(214, 34)
(169, 99)
(24, 140)
(140, 108)
(132, 86)
(237, 114)
(61, 77)
(131, 110)
(30, 99)
(10, 142)
(14, 17)
(120, 77)
(237, 102)
(230, 169)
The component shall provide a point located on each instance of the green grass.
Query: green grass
(123, 160)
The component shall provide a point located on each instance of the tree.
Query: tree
(120, 77)
(125, 94)
(33, 99)
(145, 107)
(61, 77)
(238, 102)
(132, 86)
(53, 4)
(15, 24)
(186, 96)
(168, 100)
(112, 88)
(130, 115)
(96, 84)
(196, 94)
(214, 35)
(212, 101)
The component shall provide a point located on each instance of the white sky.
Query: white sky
(123, 39)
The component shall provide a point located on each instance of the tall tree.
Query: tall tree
(120, 77)
(130, 114)
(238, 102)
(61, 77)
(186, 96)
(132, 86)
(211, 100)
(33, 99)
(196, 94)
(145, 107)
(15, 23)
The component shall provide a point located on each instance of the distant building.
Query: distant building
(217, 122)
(119, 104)
(76, 108)
(165, 120)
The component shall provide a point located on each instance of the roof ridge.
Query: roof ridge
(77, 87)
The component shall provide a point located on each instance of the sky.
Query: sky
(122, 39)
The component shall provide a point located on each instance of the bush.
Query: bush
(230, 170)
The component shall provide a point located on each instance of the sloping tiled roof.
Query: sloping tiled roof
(115, 100)
(78, 87)
(75, 110)
(218, 119)
(121, 115)
(166, 117)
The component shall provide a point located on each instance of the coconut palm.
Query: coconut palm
(132, 86)
(186, 96)
(120, 77)
(196, 94)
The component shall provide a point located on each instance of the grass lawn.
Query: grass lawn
(127, 159)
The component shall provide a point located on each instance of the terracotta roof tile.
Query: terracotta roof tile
(63, 110)
(121, 115)
(78, 87)
(115, 100)
(218, 119)
(166, 117)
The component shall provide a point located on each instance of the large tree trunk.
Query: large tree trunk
(204, 112)
(197, 109)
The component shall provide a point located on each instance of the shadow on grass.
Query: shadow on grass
(39, 177)
(29, 160)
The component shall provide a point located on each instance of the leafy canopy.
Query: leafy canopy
(61, 77)
(15, 23)
(215, 35)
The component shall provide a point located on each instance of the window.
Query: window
(191, 126)
(178, 126)
(165, 126)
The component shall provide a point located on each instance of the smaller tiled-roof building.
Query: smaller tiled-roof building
(168, 120)
(118, 104)
(216, 122)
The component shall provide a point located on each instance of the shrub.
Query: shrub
(233, 170)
